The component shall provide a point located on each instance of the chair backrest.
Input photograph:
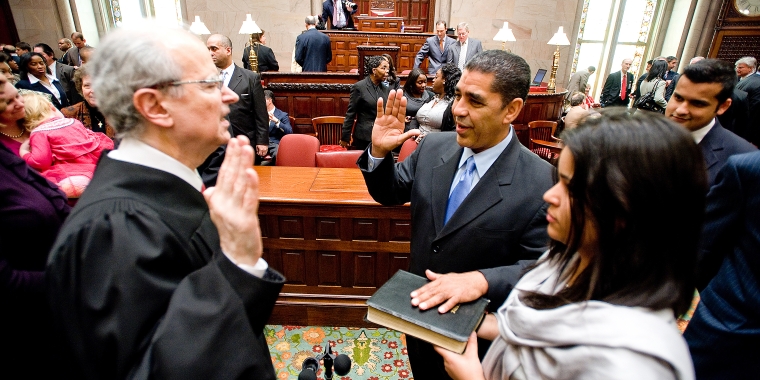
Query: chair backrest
(541, 130)
(297, 150)
(407, 148)
(338, 159)
(328, 129)
(292, 122)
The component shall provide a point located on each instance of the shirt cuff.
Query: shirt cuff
(257, 270)
(373, 162)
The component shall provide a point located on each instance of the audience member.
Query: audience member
(577, 112)
(87, 111)
(415, 90)
(391, 80)
(84, 54)
(435, 49)
(362, 106)
(12, 130)
(749, 82)
(436, 115)
(264, 55)
(470, 46)
(35, 75)
(279, 125)
(313, 50)
(337, 14)
(504, 179)
(31, 213)
(672, 84)
(5, 69)
(724, 330)
(61, 149)
(703, 92)
(14, 58)
(142, 284)
(61, 71)
(636, 92)
(590, 102)
(654, 84)
(670, 73)
(64, 44)
(602, 302)
(73, 57)
(579, 81)
(22, 48)
(617, 87)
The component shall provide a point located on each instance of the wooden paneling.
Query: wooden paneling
(736, 35)
(344, 44)
(379, 24)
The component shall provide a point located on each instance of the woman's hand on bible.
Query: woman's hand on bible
(464, 366)
(388, 131)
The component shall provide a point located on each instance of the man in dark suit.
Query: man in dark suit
(264, 55)
(499, 227)
(342, 19)
(435, 49)
(703, 92)
(151, 278)
(61, 71)
(749, 82)
(724, 332)
(470, 46)
(313, 51)
(279, 125)
(617, 87)
(73, 58)
(64, 44)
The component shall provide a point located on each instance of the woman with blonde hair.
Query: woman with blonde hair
(61, 149)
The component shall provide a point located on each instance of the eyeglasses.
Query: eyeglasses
(217, 82)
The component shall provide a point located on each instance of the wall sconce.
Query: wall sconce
(249, 27)
(198, 27)
(559, 39)
(504, 35)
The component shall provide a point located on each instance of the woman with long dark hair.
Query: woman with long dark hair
(625, 218)
(35, 75)
(654, 82)
(415, 90)
(435, 115)
(362, 107)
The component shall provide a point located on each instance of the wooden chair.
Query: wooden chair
(297, 149)
(544, 131)
(553, 148)
(328, 130)
(407, 148)
(339, 159)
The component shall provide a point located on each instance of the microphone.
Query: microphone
(311, 365)
(342, 364)
(309, 369)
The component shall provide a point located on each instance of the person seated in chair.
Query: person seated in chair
(279, 124)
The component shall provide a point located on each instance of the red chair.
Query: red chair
(407, 148)
(328, 130)
(297, 150)
(543, 131)
(338, 159)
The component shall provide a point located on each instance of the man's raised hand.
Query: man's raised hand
(388, 131)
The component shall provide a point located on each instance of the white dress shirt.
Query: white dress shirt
(51, 87)
(700, 133)
(227, 74)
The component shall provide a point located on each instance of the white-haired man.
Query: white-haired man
(147, 278)
(464, 49)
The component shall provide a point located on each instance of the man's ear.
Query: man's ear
(513, 110)
(724, 106)
(148, 102)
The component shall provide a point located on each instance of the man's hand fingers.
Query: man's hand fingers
(432, 276)
(380, 108)
(448, 305)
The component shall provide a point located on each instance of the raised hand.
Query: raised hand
(388, 131)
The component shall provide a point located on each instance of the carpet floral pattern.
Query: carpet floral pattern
(376, 353)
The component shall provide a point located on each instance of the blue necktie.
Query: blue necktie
(461, 189)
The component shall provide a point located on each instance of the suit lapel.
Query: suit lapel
(237, 77)
(443, 175)
(710, 144)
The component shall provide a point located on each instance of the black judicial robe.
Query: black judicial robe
(139, 287)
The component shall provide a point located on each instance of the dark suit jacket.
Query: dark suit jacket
(432, 50)
(725, 328)
(275, 132)
(751, 85)
(249, 115)
(718, 145)
(72, 56)
(26, 85)
(473, 47)
(313, 51)
(65, 75)
(327, 14)
(611, 91)
(362, 107)
(265, 55)
(736, 117)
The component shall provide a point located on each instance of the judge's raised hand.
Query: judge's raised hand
(234, 204)
(388, 131)
(464, 366)
(450, 289)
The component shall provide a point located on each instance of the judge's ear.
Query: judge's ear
(149, 103)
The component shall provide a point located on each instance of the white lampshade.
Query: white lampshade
(560, 38)
(249, 26)
(504, 34)
(198, 27)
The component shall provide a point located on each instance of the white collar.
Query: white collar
(229, 69)
(137, 152)
(700, 133)
(465, 42)
(52, 70)
(33, 79)
(486, 158)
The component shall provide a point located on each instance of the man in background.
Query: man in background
(64, 44)
(749, 82)
(464, 49)
(579, 81)
(73, 57)
(337, 14)
(313, 51)
(617, 87)
(22, 48)
(279, 125)
(435, 49)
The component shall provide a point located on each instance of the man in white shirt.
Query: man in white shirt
(465, 48)
(153, 277)
(703, 92)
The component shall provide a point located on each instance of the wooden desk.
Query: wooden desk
(334, 244)
(345, 56)
(379, 24)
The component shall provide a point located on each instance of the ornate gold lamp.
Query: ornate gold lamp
(559, 39)
(249, 27)
(504, 35)
(198, 27)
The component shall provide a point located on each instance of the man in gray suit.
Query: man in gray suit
(434, 49)
(491, 226)
(471, 47)
(579, 81)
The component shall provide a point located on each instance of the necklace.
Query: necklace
(13, 137)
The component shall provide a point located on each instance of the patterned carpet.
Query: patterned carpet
(376, 354)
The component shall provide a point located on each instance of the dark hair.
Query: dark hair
(451, 75)
(23, 45)
(577, 98)
(440, 22)
(9, 49)
(46, 48)
(713, 71)
(670, 58)
(392, 77)
(412, 78)
(640, 181)
(512, 73)
(23, 64)
(77, 35)
(658, 69)
(268, 94)
(371, 63)
(4, 58)
(649, 62)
